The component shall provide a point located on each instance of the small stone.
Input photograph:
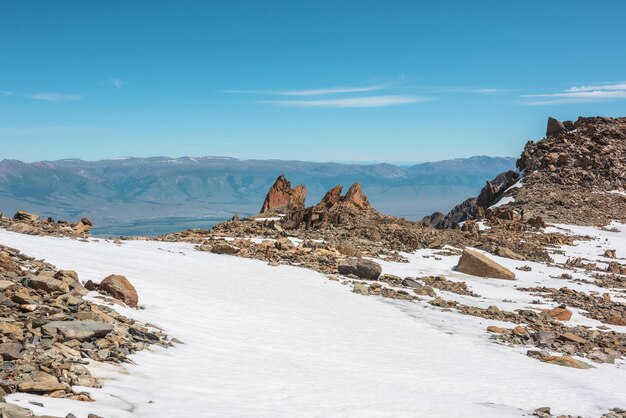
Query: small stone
(560, 313)
(497, 330)
(10, 351)
(361, 289)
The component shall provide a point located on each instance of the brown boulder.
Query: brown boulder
(360, 267)
(223, 248)
(120, 288)
(42, 382)
(477, 264)
(282, 196)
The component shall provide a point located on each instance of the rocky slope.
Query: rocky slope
(49, 332)
(575, 175)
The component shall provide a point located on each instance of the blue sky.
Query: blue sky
(397, 81)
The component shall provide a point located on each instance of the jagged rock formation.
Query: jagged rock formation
(282, 197)
(333, 209)
(474, 207)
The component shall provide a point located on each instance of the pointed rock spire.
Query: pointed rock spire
(282, 196)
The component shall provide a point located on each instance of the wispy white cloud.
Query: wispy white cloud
(4, 93)
(451, 90)
(604, 87)
(310, 92)
(352, 102)
(488, 91)
(117, 83)
(579, 94)
(55, 97)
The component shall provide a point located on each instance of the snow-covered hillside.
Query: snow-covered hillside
(265, 341)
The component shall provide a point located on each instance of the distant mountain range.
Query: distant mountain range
(130, 190)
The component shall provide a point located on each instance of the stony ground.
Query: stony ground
(50, 334)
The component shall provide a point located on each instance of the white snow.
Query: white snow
(503, 201)
(262, 341)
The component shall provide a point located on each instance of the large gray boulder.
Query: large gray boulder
(79, 330)
(360, 267)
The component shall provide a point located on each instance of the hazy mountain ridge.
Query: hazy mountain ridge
(126, 189)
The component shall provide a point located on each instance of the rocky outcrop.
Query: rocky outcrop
(493, 190)
(577, 174)
(31, 224)
(282, 197)
(474, 207)
(333, 209)
(477, 264)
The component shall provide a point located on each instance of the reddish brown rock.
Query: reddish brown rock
(120, 288)
(331, 198)
(562, 314)
(282, 196)
(356, 197)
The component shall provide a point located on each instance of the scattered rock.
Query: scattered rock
(566, 361)
(477, 264)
